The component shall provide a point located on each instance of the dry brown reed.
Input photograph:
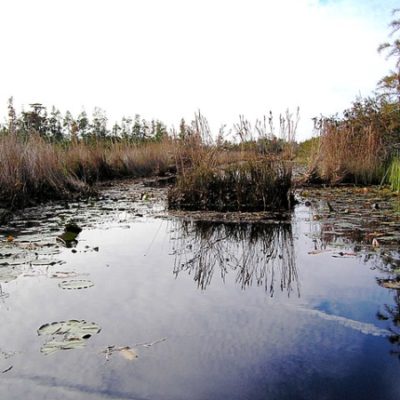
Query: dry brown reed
(32, 169)
(212, 178)
(348, 154)
(106, 160)
(140, 160)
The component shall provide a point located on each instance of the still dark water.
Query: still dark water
(224, 311)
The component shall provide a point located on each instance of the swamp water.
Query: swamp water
(151, 306)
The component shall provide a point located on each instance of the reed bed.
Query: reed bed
(102, 160)
(33, 169)
(348, 154)
(213, 178)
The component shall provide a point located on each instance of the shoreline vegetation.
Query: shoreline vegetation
(46, 158)
(46, 155)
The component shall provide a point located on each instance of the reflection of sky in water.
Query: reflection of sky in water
(222, 342)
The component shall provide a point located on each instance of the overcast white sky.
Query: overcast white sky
(168, 58)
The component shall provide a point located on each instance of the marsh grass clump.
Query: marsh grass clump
(248, 186)
(32, 170)
(247, 178)
(354, 148)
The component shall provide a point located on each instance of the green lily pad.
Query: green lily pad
(20, 261)
(67, 238)
(70, 234)
(69, 344)
(44, 261)
(9, 273)
(73, 335)
(76, 284)
(64, 274)
(345, 225)
(72, 329)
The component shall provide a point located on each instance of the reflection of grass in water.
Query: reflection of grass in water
(389, 264)
(261, 254)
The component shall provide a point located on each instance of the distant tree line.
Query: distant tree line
(57, 127)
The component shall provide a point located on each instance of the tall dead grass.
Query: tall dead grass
(212, 178)
(32, 169)
(348, 154)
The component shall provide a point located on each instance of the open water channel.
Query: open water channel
(146, 305)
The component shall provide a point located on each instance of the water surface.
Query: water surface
(213, 311)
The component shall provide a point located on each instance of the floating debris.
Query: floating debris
(126, 352)
(389, 283)
(7, 369)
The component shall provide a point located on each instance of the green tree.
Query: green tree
(67, 124)
(99, 123)
(55, 125)
(390, 83)
(35, 120)
(83, 124)
(12, 117)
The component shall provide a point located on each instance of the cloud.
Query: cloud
(168, 59)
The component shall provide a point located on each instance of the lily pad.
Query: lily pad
(76, 284)
(44, 261)
(68, 344)
(68, 238)
(72, 329)
(74, 335)
(64, 274)
(9, 273)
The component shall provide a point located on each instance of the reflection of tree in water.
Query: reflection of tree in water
(392, 313)
(261, 254)
(389, 263)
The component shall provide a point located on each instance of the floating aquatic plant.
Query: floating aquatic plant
(76, 284)
(74, 335)
(68, 238)
(9, 273)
